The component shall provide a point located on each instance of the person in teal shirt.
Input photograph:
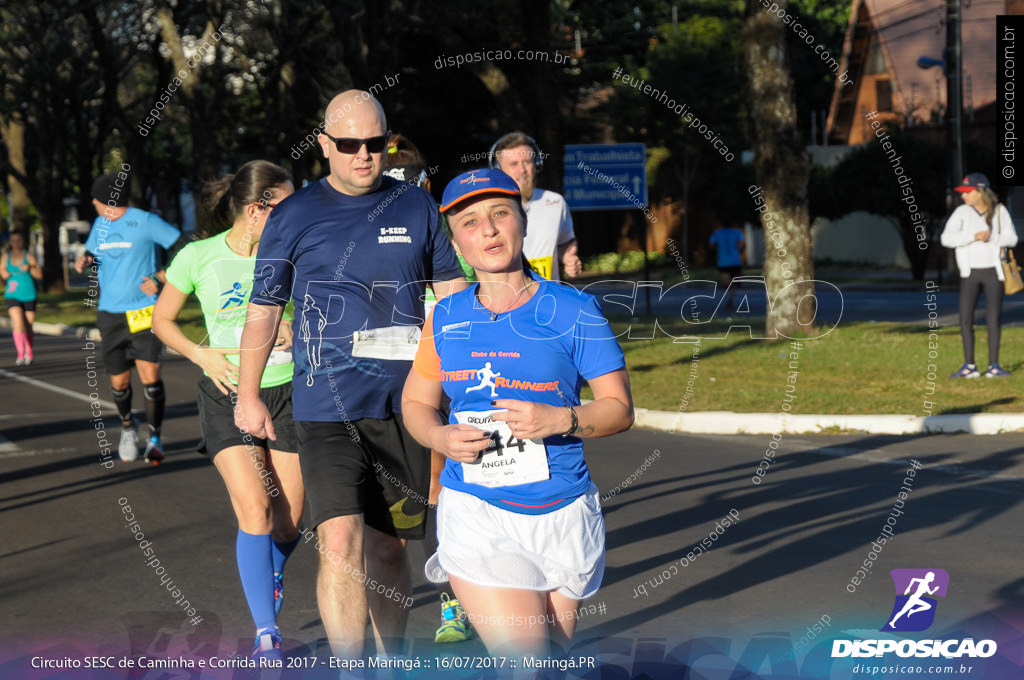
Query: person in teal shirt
(20, 270)
(263, 478)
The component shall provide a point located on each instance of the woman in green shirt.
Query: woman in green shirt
(262, 478)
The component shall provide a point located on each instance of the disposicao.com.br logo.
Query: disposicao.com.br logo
(914, 610)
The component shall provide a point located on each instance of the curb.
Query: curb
(730, 422)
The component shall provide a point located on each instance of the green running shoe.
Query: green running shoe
(454, 622)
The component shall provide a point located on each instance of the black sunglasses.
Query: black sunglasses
(351, 145)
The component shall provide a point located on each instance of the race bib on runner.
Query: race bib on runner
(507, 461)
(140, 319)
(278, 357)
(542, 265)
(397, 343)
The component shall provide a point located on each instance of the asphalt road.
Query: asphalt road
(74, 581)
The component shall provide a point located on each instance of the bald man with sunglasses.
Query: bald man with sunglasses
(354, 251)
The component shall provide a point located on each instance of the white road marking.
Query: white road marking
(15, 453)
(54, 388)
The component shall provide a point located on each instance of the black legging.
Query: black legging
(970, 289)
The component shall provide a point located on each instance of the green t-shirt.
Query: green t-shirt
(222, 281)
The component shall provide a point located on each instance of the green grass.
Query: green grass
(857, 368)
(70, 309)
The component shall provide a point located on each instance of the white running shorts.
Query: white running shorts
(489, 546)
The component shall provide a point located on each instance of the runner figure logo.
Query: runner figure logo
(487, 377)
(235, 297)
(914, 609)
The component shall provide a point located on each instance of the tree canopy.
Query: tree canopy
(183, 90)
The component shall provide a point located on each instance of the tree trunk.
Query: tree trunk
(202, 114)
(13, 134)
(782, 168)
(542, 96)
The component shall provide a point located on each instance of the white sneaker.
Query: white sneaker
(128, 448)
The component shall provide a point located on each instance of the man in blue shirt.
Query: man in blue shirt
(122, 245)
(731, 248)
(354, 251)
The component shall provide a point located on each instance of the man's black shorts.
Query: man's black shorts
(120, 347)
(217, 419)
(367, 466)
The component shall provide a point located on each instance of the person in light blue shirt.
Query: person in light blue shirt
(121, 256)
(731, 248)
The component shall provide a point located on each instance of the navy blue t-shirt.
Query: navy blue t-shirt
(350, 263)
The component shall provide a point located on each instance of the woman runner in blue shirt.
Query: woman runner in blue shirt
(520, 531)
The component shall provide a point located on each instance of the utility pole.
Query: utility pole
(952, 56)
(954, 99)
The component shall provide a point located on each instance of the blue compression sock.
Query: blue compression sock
(281, 552)
(256, 570)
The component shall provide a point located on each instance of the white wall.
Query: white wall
(859, 237)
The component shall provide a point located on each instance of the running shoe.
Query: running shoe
(267, 644)
(967, 371)
(996, 371)
(278, 593)
(128, 448)
(20, 361)
(454, 622)
(154, 452)
(27, 361)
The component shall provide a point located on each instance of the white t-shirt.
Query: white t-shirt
(548, 225)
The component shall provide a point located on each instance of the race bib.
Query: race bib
(276, 358)
(397, 343)
(542, 265)
(507, 461)
(140, 319)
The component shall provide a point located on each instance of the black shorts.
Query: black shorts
(217, 419)
(731, 271)
(27, 305)
(367, 466)
(121, 347)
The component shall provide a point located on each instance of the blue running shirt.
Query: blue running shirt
(125, 250)
(539, 352)
(350, 263)
(727, 241)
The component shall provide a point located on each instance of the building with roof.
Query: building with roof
(885, 40)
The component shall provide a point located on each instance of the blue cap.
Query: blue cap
(477, 183)
(973, 181)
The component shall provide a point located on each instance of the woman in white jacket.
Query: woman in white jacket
(977, 230)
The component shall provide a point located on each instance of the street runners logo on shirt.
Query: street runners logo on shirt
(913, 611)
(394, 235)
(490, 379)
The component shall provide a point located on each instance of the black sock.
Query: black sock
(155, 407)
(123, 401)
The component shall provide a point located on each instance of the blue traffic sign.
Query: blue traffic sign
(606, 176)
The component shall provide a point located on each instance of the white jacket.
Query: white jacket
(965, 222)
